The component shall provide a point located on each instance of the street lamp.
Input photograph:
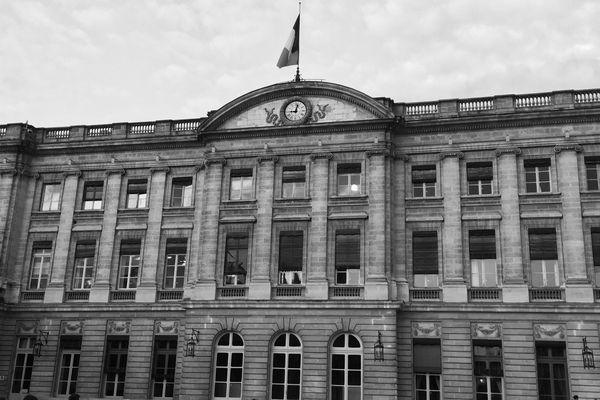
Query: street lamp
(40, 340)
(378, 348)
(190, 346)
(588, 355)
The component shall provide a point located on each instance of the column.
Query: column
(316, 284)
(399, 227)
(209, 231)
(376, 287)
(454, 287)
(514, 287)
(101, 288)
(146, 291)
(194, 261)
(6, 192)
(56, 287)
(260, 284)
(578, 287)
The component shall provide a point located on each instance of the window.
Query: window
(70, 350)
(592, 166)
(537, 176)
(348, 179)
(163, 367)
(543, 257)
(115, 366)
(293, 182)
(552, 371)
(596, 253)
(181, 192)
(175, 263)
(236, 259)
(23, 364)
(92, 195)
(427, 369)
(229, 367)
(129, 264)
(487, 369)
(41, 260)
(290, 257)
(425, 259)
(137, 193)
(286, 367)
(482, 252)
(347, 257)
(479, 178)
(346, 368)
(51, 197)
(423, 180)
(241, 184)
(83, 274)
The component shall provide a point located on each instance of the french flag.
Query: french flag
(290, 54)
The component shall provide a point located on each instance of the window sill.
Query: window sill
(292, 199)
(540, 194)
(349, 197)
(481, 196)
(432, 198)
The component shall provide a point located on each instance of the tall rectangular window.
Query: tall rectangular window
(423, 180)
(592, 171)
(347, 257)
(348, 179)
(51, 197)
(596, 254)
(236, 260)
(487, 370)
(70, 351)
(129, 264)
(115, 366)
(425, 259)
(241, 184)
(482, 252)
(41, 261)
(552, 375)
(543, 257)
(293, 182)
(176, 261)
(427, 369)
(23, 364)
(181, 192)
(92, 195)
(163, 366)
(537, 176)
(137, 193)
(83, 274)
(479, 178)
(290, 257)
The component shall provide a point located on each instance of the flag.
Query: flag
(291, 51)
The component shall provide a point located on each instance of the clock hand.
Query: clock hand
(296, 110)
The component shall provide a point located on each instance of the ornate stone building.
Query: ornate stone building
(306, 241)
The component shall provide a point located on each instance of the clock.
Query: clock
(295, 111)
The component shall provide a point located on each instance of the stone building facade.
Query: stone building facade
(306, 241)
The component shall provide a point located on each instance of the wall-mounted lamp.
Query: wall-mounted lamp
(588, 355)
(190, 346)
(378, 348)
(40, 341)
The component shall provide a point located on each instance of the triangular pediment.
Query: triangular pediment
(296, 104)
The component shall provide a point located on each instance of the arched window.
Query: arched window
(346, 368)
(229, 366)
(286, 367)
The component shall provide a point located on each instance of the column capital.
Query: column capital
(451, 154)
(214, 160)
(200, 166)
(508, 150)
(377, 152)
(267, 158)
(576, 147)
(118, 171)
(396, 155)
(321, 154)
(74, 172)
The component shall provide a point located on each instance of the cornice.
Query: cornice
(508, 150)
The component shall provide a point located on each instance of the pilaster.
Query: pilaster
(194, 263)
(398, 193)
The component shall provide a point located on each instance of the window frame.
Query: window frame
(426, 279)
(595, 256)
(134, 197)
(120, 352)
(428, 371)
(592, 164)
(96, 204)
(245, 176)
(178, 265)
(346, 351)
(169, 352)
(487, 373)
(480, 184)
(51, 202)
(341, 268)
(286, 351)
(23, 364)
(539, 266)
(44, 250)
(231, 237)
(129, 266)
(186, 199)
(422, 187)
(349, 172)
(479, 262)
(69, 345)
(533, 168)
(559, 360)
(230, 349)
(297, 191)
(293, 275)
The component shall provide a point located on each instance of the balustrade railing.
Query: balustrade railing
(122, 295)
(141, 129)
(32, 296)
(60, 133)
(229, 292)
(541, 100)
(346, 291)
(484, 294)
(288, 291)
(587, 96)
(188, 125)
(476, 104)
(425, 294)
(95, 131)
(2, 130)
(546, 294)
(170, 295)
(421, 109)
(77, 295)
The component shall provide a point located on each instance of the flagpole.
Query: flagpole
(299, 30)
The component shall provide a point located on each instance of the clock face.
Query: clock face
(295, 110)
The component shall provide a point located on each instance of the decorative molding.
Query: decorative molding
(160, 169)
(321, 154)
(71, 327)
(166, 327)
(427, 329)
(508, 150)
(266, 158)
(396, 155)
(200, 167)
(214, 160)
(272, 117)
(377, 152)
(549, 331)
(76, 173)
(452, 154)
(568, 147)
(119, 171)
(486, 330)
(26, 327)
(118, 327)
(321, 113)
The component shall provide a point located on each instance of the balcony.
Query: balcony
(546, 294)
(426, 294)
(77, 295)
(122, 295)
(288, 291)
(32, 295)
(170, 295)
(485, 294)
(233, 292)
(347, 292)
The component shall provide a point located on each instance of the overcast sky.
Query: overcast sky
(71, 62)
